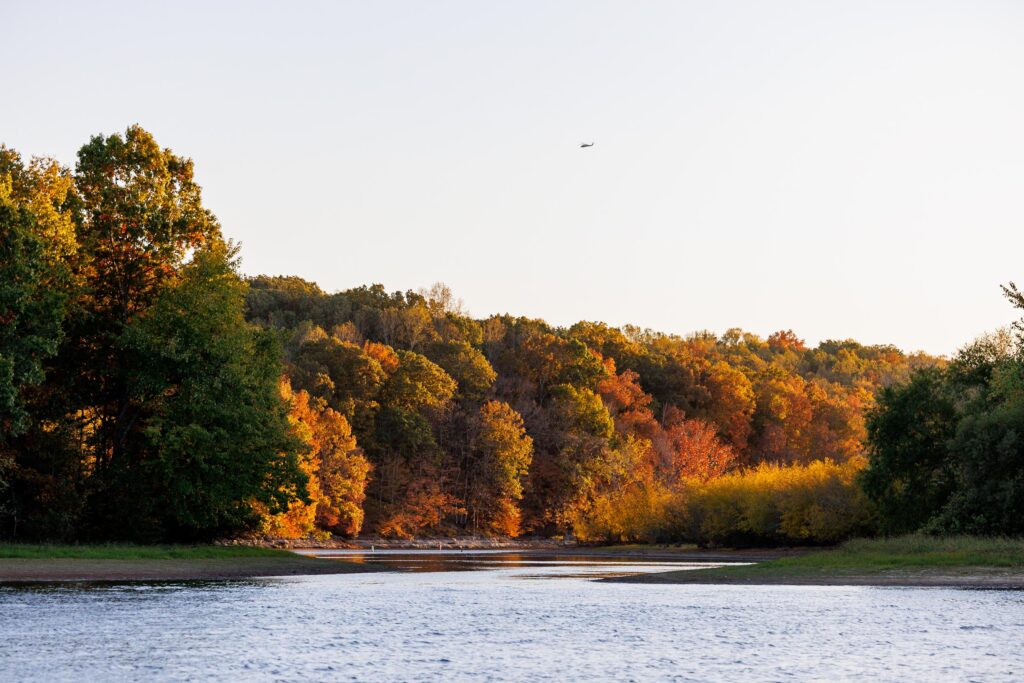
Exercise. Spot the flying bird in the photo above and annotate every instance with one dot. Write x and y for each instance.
(587, 144)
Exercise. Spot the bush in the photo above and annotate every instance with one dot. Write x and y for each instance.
(816, 503)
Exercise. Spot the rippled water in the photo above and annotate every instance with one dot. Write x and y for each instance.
(527, 620)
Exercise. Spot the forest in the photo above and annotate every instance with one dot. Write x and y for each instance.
(150, 392)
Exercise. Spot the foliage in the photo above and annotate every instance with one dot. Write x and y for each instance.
(947, 447)
(158, 416)
(215, 433)
(31, 310)
(335, 468)
(503, 455)
(466, 365)
(817, 503)
(909, 476)
(140, 397)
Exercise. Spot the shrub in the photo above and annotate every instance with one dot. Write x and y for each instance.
(816, 503)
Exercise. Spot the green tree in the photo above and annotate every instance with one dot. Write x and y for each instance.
(31, 309)
(467, 366)
(141, 218)
(339, 373)
(417, 384)
(216, 437)
(909, 476)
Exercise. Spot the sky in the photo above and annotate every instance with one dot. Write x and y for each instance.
(842, 169)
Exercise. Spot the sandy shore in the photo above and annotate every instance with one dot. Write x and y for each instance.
(25, 570)
(946, 577)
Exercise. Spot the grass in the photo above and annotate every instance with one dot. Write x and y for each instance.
(872, 556)
(117, 551)
(916, 550)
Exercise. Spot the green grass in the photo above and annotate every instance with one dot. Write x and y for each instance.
(913, 552)
(116, 551)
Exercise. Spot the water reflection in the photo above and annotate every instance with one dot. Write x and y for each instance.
(522, 564)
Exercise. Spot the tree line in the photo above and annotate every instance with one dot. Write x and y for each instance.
(150, 392)
(508, 425)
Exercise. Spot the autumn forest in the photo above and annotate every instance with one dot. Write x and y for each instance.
(150, 392)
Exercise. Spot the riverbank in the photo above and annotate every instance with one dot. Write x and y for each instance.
(369, 543)
(957, 562)
(59, 563)
(25, 563)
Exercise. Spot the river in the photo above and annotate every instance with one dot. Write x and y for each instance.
(505, 616)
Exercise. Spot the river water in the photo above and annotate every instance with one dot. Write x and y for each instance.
(505, 616)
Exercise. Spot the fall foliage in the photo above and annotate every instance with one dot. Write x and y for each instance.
(148, 391)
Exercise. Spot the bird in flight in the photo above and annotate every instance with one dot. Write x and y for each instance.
(587, 144)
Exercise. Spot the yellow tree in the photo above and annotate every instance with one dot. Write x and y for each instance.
(504, 453)
(337, 471)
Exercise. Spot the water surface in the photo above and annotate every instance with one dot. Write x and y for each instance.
(506, 616)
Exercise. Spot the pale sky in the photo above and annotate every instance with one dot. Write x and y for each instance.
(844, 169)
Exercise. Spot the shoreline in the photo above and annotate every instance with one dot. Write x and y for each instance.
(911, 561)
(72, 570)
(598, 552)
(43, 570)
(992, 578)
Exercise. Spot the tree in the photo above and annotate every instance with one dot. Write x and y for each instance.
(336, 469)
(344, 474)
(503, 454)
(47, 191)
(467, 366)
(1016, 299)
(215, 433)
(988, 497)
(909, 476)
(417, 384)
(141, 218)
(696, 450)
(31, 309)
(574, 455)
(785, 340)
(344, 375)
(731, 403)
(986, 453)
(298, 520)
(782, 419)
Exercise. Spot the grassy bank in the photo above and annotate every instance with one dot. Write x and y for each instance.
(914, 551)
(25, 563)
(118, 551)
(904, 560)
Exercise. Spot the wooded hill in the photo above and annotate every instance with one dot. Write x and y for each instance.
(507, 424)
(150, 392)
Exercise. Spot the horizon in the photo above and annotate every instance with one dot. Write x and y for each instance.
(566, 325)
(844, 172)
